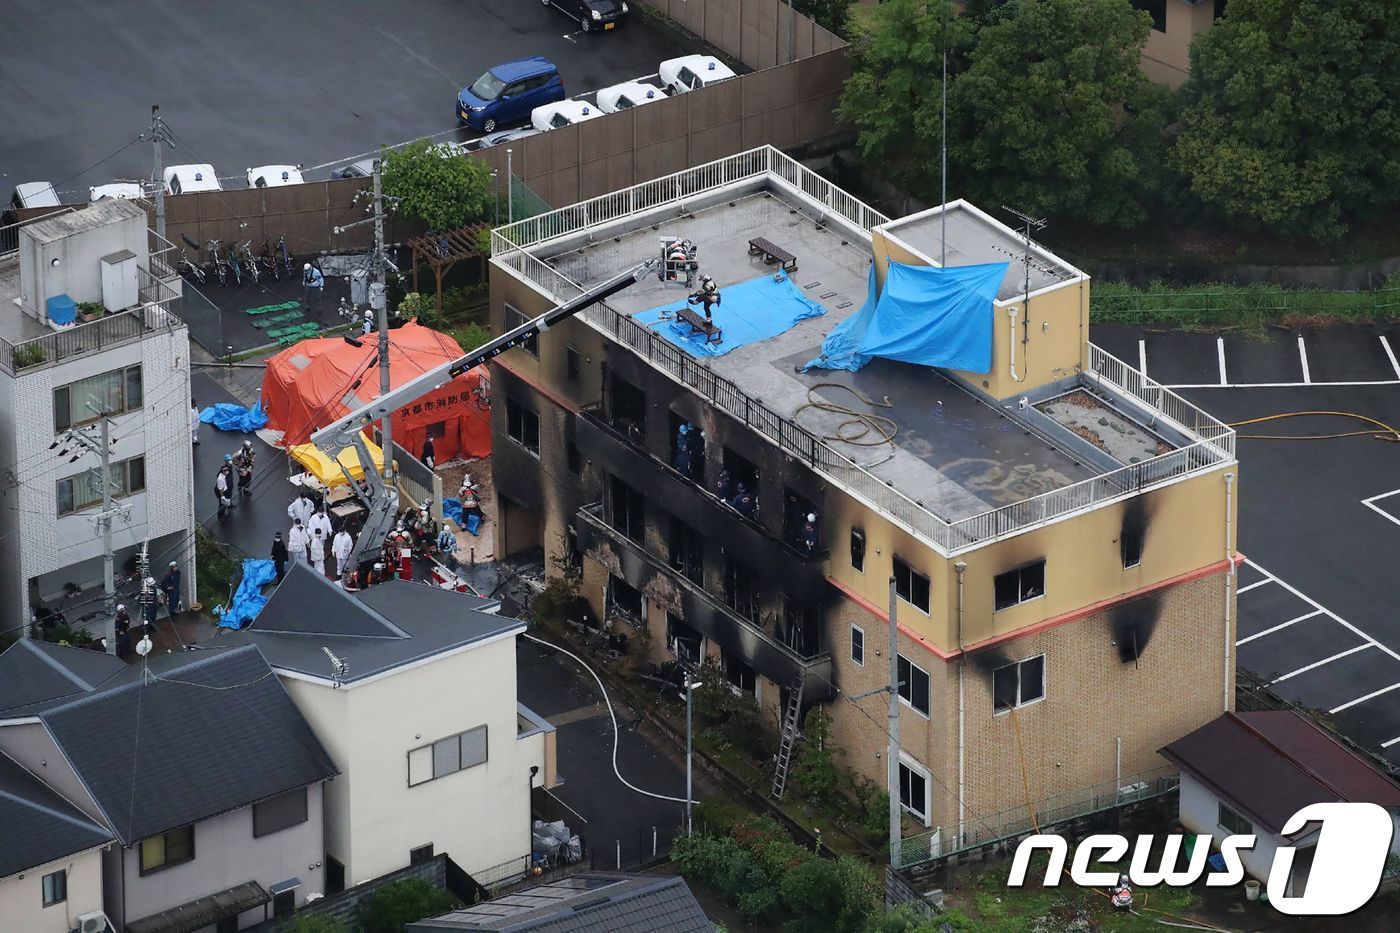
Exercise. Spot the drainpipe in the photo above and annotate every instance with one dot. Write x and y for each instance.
(1229, 579)
(892, 755)
(1117, 767)
(961, 568)
(1012, 343)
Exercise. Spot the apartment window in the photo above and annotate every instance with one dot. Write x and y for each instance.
(1130, 544)
(858, 645)
(687, 551)
(858, 550)
(628, 511)
(1020, 585)
(523, 425)
(420, 855)
(911, 586)
(740, 588)
(55, 887)
(1018, 684)
(84, 490)
(513, 320)
(172, 848)
(573, 363)
(447, 756)
(913, 685)
(281, 812)
(913, 789)
(801, 630)
(739, 674)
(1157, 9)
(1231, 821)
(685, 642)
(572, 458)
(113, 393)
(625, 601)
(226, 925)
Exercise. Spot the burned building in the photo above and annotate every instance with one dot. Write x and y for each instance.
(1032, 512)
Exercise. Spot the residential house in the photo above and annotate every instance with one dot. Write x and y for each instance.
(50, 856)
(412, 690)
(1248, 773)
(590, 902)
(198, 765)
(1058, 528)
(129, 365)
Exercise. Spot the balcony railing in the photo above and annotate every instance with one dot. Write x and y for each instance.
(1214, 445)
(102, 334)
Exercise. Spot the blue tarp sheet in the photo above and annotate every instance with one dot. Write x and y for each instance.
(925, 315)
(452, 508)
(248, 599)
(747, 313)
(227, 416)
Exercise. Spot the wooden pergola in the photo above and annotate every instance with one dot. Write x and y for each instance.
(442, 251)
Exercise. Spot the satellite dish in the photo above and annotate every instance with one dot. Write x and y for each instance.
(144, 646)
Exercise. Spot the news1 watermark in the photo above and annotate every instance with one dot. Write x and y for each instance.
(1348, 860)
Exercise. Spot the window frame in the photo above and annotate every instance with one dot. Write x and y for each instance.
(1021, 597)
(908, 596)
(279, 799)
(1223, 811)
(126, 471)
(516, 409)
(123, 377)
(433, 757)
(858, 534)
(514, 318)
(573, 363)
(60, 887)
(165, 846)
(856, 630)
(906, 686)
(914, 768)
(998, 710)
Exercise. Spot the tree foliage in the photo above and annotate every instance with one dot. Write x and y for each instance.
(314, 923)
(402, 902)
(1292, 122)
(444, 190)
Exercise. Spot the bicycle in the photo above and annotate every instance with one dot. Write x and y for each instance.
(285, 258)
(249, 261)
(215, 267)
(268, 264)
(235, 266)
(192, 273)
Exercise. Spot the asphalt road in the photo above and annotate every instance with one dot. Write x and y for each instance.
(1316, 602)
(258, 82)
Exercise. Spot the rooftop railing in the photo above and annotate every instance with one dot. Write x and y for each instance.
(1213, 444)
(102, 334)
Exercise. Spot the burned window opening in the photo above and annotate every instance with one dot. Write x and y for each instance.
(801, 626)
(742, 678)
(738, 471)
(626, 406)
(740, 588)
(797, 530)
(1019, 585)
(523, 425)
(624, 602)
(685, 642)
(628, 510)
(1018, 684)
(858, 550)
(1134, 531)
(573, 363)
(687, 451)
(687, 551)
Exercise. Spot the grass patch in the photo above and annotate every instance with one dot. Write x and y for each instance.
(1241, 306)
(215, 572)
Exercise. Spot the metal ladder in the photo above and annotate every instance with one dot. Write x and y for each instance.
(791, 715)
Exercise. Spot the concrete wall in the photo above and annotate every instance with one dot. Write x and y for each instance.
(757, 32)
(79, 255)
(22, 896)
(226, 854)
(1167, 56)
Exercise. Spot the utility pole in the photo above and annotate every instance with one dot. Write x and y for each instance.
(510, 190)
(943, 213)
(896, 857)
(690, 686)
(376, 293)
(160, 133)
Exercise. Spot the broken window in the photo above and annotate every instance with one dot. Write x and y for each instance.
(911, 586)
(628, 511)
(687, 450)
(624, 601)
(740, 588)
(523, 425)
(1018, 684)
(627, 409)
(801, 629)
(1017, 586)
(741, 471)
(740, 676)
(687, 551)
(572, 363)
(685, 642)
(858, 550)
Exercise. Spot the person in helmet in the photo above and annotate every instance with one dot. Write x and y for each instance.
(744, 502)
(170, 589)
(315, 284)
(809, 533)
(707, 294)
(123, 627)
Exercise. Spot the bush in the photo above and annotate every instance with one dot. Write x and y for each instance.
(726, 720)
(717, 815)
(28, 354)
(560, 600)
(470, 336)
(214, 571)
(420, 307)
(818, 777)
(314, 923)
(402, 902)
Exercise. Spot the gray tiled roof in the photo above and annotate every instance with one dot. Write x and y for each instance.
(374, 630)
(208, 732)
(39, 825)
(592, 902)
(37, 672)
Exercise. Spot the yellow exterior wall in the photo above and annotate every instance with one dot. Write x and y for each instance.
(1167, 56)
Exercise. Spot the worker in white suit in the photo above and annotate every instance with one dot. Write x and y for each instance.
(297, 542)
(316, 551)
(341, 546)
(321, 522)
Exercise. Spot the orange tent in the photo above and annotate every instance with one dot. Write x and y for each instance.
(307, 386)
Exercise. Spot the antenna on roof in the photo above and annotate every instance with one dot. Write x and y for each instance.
(339, 668)
(1031, 224)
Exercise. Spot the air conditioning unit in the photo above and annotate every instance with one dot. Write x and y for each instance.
(1132, 790)
(95, 922)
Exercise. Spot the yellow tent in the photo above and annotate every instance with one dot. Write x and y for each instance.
(320, 465)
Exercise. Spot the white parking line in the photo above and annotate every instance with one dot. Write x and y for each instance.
(1371, 504)
(1142, 357)
(1303, 357)
(1390, 354)
(1391, 742)
(1316, 664)
(1369, 696)
(1279, 385)
(1246, 589)
(1317, 605)
(1268, 631)
(1220, 355)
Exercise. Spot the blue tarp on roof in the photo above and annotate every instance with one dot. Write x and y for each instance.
(747, 313)
(248, 600)
(925, 315)
(227, 416)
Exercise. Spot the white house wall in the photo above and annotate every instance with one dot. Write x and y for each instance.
(328, 713)
(22, 896)
(31, 746)
(1198, 813)
(79, 270)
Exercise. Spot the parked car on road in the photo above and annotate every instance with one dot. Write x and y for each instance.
(495, 139)
(592, 14)
(562, 113)
(34, 194)
(679, 75)
(121, 190)
(626, 95)
(274, 176)
(199, 176)
(361, 169)
(508, 93)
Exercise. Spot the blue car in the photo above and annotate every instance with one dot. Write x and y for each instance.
(507, 93)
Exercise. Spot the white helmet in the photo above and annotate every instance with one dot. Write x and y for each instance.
(306, 267)
(812, 517)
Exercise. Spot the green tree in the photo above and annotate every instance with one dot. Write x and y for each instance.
(894, 95)
(823, 895)
(441, 188)
(1292, 122)
(815, 770)
(1055, 116)
(402, 902)
(832, 15)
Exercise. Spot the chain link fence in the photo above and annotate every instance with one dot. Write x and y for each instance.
(1113, 303)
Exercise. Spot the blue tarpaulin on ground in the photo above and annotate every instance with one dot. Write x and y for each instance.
(747, 313)
(248, 599)
(227, 416)
(452, 508)
(924, 315)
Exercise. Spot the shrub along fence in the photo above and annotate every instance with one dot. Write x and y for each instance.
(1114, 303)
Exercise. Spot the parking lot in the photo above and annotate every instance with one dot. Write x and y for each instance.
(316, 82)
(1319, 519)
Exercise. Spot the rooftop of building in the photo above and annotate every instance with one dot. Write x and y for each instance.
(373, 631)
(15, 326)
(591, 902)
(954, 454)
(40, 826)
(71, 223)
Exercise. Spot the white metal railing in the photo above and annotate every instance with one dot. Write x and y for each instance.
(509, 247)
